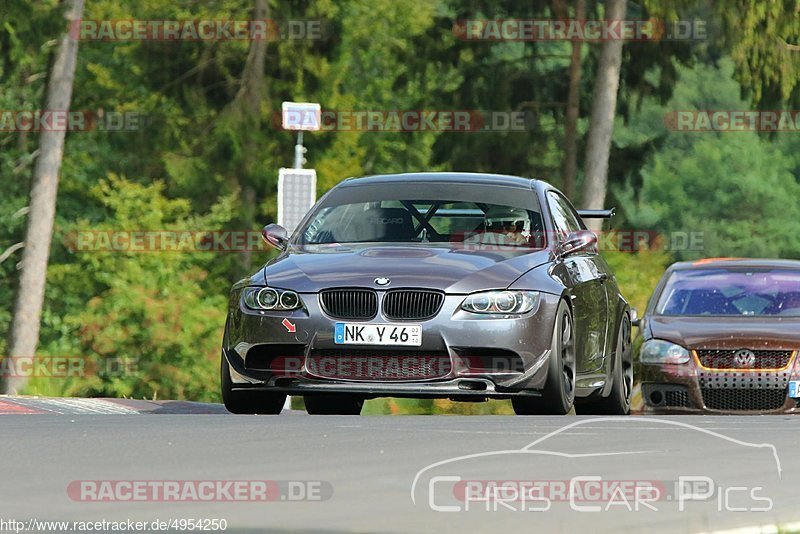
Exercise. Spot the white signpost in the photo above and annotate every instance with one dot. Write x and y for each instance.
(297, 192)
(297, 187)
(300, 116)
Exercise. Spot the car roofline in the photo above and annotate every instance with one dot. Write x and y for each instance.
(502, 180)
(725, 263)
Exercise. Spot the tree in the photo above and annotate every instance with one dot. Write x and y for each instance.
(24, 335)
(764, 41)
(601, 124)
(570, 170)
(245, 114)
(725, 190)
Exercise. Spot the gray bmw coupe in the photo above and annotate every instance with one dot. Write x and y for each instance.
(449, 285)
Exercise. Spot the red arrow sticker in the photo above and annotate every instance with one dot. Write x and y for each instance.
(290, 327)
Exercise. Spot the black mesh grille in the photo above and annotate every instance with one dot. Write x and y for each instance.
(677, 398)
(725, 359)
(491, 360)
(350, 303)
(744, 399)
(666, 395)
(274, 356)
(412, 304)
(744, 380)
(378, 365)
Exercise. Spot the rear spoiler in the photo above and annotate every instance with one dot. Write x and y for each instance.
(596, 214)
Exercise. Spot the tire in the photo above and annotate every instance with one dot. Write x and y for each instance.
(618, 401)
(242, 401)
(558, 394)
(333, 404)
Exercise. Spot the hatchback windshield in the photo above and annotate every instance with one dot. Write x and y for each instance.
(424, 221)
(732, 292)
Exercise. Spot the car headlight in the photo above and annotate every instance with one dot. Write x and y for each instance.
(502, 302)
(268, 298)
(660, 351)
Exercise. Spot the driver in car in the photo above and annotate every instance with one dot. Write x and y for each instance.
(508, 225)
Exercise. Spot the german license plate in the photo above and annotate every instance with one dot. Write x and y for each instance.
(794, 389)
(409, 335)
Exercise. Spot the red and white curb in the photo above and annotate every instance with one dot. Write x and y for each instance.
(13, 405)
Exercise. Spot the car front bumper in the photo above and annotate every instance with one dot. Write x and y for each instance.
(518, 349)
(689, 389)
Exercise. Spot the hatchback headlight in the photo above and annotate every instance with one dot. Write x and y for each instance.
(268, 298)
(660, 351)
(502, 302)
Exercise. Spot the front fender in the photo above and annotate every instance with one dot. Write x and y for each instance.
(540, 279)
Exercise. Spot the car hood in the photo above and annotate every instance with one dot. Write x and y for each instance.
(311, 268)
(728, 332)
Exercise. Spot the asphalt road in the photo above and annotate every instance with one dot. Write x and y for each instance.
(359, 471)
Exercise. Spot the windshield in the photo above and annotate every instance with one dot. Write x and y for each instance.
(732, 292)
(424, 221)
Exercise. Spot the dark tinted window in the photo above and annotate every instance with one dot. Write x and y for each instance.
(731, 292)
(564, 217)
(410, 221)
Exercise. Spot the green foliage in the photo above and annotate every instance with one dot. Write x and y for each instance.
(638, 273)
(764, 41)
(161, 312)
(729, 187)
(435, 407)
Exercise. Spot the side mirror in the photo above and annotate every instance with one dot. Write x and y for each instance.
(276, 236)
(635, 320)
(577, 241)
